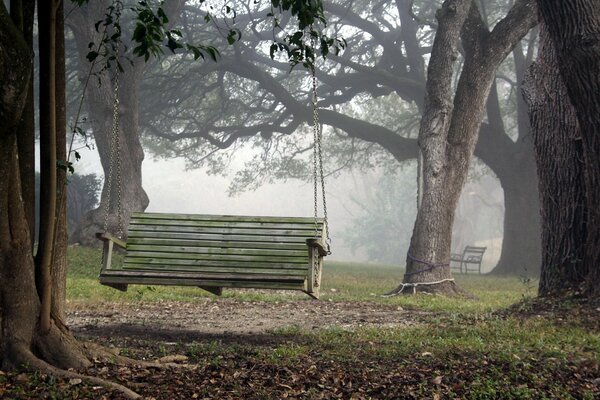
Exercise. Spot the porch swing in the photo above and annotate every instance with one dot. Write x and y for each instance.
(217, 251)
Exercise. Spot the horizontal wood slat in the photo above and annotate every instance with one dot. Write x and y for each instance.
(192, 235)
(202, 275)
(166, 280)
(212, 243)
(240, 258)
(131, 262)
(223, 230)
(215, 250)
(223, 224)
(225, 218)
(216, 270)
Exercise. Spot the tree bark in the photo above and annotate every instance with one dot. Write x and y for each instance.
(21, 335)
(59, 259)
(48, 165)
(557, 139)
(574, 27)
(23, 11)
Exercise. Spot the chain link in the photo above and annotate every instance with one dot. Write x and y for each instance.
(318, 159)
(114, 163)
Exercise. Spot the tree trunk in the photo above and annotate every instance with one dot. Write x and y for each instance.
(558, 149)
(99, 104)
(449, 129)
(427, 262)
(59, 259)
(574, 28)
(20, 333)
(48, 165)
(23, 12)
(521, 242)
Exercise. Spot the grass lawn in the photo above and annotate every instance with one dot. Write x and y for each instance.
(456, 349)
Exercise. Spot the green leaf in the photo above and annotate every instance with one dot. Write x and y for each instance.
(92, 55)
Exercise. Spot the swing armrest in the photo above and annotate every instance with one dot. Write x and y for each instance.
(105, 237)
(318, 244)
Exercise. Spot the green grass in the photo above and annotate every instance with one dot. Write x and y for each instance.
(341, 281)
(477, 353)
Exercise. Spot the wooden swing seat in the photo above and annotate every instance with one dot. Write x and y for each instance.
(217, 251)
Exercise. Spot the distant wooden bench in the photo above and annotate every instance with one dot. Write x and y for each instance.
(471, 256)
(213, 252)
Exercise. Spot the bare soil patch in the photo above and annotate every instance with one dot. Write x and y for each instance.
(173, 321)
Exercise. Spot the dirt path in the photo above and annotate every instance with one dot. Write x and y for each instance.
(172, 321)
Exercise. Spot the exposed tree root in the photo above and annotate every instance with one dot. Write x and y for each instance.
(28, 359)
(60, 348)
(97, 352)
(446, 288)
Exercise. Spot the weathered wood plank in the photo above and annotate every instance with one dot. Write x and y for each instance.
(216, 257)
(216, 250)
(135, 280)
(199, 264)
(193, 235)
(201, 275)
(225, 224)
(212, 243)
(215, 270)
(106, 237)
(223, 230)
(225, 218)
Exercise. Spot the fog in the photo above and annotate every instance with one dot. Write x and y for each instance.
(173, 189)
(202, 107)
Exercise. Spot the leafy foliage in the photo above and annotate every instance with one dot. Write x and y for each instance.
(151, 35)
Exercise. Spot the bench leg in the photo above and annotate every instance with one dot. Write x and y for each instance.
(107, 250)
(119, 286)
(313, 280)
(216, 290)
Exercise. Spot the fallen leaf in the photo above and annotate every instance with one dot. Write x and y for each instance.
(172, 359)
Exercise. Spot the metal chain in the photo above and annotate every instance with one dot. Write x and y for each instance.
(114, 157)
(116, 126)
(318, 157)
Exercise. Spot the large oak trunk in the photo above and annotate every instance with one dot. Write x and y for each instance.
(22, 342)
(574, 27)
(449, 129)
(99, 102)
(521, 242)
(559, 154)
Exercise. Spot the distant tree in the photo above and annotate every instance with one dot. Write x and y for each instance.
(449, 128)
(82, 196)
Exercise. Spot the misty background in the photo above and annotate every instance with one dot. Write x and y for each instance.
(371, 194)
(358, 203)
